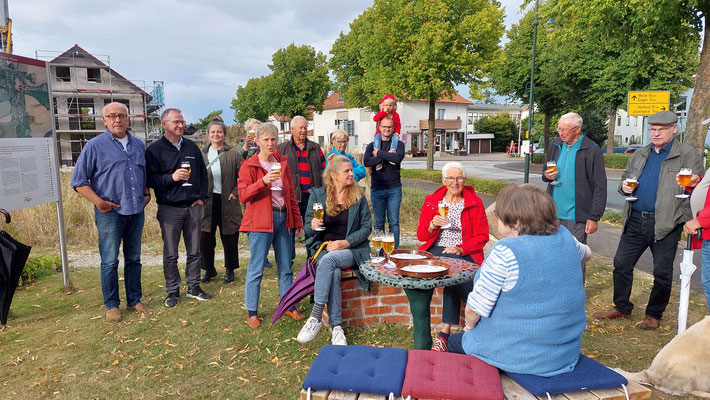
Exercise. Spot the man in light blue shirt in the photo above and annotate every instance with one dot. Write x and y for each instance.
(110, 173)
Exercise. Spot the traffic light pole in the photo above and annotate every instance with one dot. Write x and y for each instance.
(526, 177)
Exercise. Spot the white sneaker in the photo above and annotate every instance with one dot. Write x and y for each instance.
(337, 338)
(309, 330)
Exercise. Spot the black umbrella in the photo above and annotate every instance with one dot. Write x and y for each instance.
(13, 256)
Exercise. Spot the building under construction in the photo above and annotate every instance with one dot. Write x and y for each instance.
(82, 83)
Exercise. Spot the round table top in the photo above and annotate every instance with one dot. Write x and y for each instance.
(460, 271)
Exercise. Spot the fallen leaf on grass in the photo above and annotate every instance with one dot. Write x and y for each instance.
(262, 395)
(245, 380)
(115, 362)
(96, 317)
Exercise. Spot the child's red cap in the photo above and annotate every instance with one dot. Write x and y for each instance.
(387, 96)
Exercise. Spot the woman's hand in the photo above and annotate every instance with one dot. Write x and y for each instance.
(471, 319)
(691, 227)
(336, 245)
(453, 250)
(271, 177)
(438, 221)
(316, 223)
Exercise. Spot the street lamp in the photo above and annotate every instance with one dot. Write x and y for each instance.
(531, 113)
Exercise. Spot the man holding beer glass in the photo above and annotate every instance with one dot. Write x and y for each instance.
(576, 178)
(655, 220)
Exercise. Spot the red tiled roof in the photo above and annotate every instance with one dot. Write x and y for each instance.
(333, 101)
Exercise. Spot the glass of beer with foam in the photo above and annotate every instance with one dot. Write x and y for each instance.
(318, 213)
(444, 212)
(551, 167)
(684, 177)
(632, 182)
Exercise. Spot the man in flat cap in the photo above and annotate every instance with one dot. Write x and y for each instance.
(655, 219)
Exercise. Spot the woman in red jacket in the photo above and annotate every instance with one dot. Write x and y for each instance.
(461, 234)
(271, 212)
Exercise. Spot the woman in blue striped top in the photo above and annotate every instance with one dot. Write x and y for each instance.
(526, 311)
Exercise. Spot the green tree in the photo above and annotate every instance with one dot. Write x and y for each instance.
(298, 81)
(203, 122)
(595, 126)
(501, 126)
(251, 101)
(417, 50)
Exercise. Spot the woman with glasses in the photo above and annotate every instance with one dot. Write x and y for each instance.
(339, 139)
(460, 234)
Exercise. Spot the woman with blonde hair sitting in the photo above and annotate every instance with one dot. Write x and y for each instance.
(347, 222)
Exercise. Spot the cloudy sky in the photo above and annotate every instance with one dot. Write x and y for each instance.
(202, 50)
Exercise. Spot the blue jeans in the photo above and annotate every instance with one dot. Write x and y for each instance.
(259, 244)
(327, 285)
(455, 343)
(705, 271)
(385, 203)
(453, 295)
(114, 228)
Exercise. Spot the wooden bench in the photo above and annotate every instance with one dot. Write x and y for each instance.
(512, 391)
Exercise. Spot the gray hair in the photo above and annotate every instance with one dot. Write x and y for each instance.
(167, 111)
(115, 103)
(216, 122)
(575, 118)
(452, 164)
(267, 128)
(299, 117)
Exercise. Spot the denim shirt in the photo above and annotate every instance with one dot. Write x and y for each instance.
(114, 174)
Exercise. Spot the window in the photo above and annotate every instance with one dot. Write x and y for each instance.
(93, 75)
(440, 113)
(54, 107)
(88, 118)
(618, 120)
(636, 122)
(341, 115)
(365, 115)
(63, 74)
(470, 118)
(125, 102)
(627, 120)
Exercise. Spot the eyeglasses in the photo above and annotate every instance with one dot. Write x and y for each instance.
(177, 122)
(341, 141)
(450, 179)
(563, 130)
(114, 116)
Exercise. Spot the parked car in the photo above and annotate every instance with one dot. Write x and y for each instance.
(631, 149)
(539, 150)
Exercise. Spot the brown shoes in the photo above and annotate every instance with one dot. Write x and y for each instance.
(611, 313)
(295, 314)
(113, 315)
(141, 308)
(253, 322)
(650, 323)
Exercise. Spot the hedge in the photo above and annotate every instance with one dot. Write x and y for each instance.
(488, 186)
(39, 267)
(611, 161)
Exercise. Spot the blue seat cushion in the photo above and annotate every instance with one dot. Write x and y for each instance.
(587, 375)
(358, 369)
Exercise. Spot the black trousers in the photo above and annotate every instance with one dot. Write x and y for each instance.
(636, 238)
(208, 240)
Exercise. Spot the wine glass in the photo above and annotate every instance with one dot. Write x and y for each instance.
(186, 165)
(632, 182)
(684, 178)
(388, 246)
(377, 241)
(551, 167)
(444, 212)
(318, 213)
(276, 167)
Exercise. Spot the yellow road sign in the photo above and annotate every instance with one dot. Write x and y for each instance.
(648, 102)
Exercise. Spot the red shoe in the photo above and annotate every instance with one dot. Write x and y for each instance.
(440, 344)
(295, 314)
(253, 322)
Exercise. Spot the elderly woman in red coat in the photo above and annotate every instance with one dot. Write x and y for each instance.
(461, 234)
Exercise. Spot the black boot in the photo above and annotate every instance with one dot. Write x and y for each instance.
(228, 275)
(208, 275)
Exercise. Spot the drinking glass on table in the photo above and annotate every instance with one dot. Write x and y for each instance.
(551, 167)
(186, 165)
(276, 168)
(377, 241)
(684, 178)
(444, 212)
(319, 213)
(632, 182)
(388, 246)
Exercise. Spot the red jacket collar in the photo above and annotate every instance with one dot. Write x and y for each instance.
(469, 195)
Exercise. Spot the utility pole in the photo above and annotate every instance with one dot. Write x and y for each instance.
(531, 114)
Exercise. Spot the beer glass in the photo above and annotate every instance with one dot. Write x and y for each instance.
(444, 212)
(632, 182)
(388, 246)
(318, 213)
(277, 168)
(377, 241)
(252, 143)
(684, 177)
(186, 165)
(551, 167)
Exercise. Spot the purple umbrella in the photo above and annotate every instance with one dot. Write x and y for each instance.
(301, 287)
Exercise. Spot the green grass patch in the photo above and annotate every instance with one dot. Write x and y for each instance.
(612, 217)
(611, 161)
(482, 185)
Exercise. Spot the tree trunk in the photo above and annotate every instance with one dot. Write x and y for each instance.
(546, 130)
(700, 104)
(610, 131)
(430, 133)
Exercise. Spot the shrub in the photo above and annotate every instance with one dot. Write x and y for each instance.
(616, 161)
(612, 217)
(538, 158)
(39, 267)
(488, 186)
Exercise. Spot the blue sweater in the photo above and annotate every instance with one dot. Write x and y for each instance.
(359, 171)
(536, 327)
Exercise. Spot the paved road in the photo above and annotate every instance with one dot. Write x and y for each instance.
(604, 242)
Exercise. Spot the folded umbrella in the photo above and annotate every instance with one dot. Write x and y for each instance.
(686, 272)
(301, 287)
(13, 256)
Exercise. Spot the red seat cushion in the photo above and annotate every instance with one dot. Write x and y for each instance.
(436, 375)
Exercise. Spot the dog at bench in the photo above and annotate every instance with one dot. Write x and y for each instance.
(682, 367)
